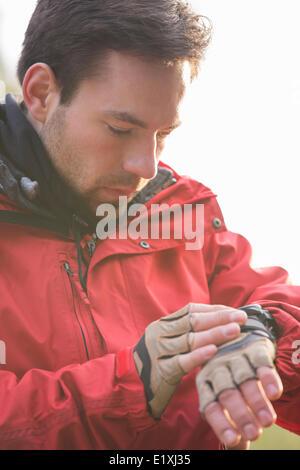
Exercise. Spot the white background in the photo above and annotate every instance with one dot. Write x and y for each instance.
(241, 121)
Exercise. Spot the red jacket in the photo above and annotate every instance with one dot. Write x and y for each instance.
(69, 381)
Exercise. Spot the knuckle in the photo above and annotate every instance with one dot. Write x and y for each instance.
(219, 333)
(267, 372)
(193, 307)
(214, 336)
(215, 331)
(222, 316)
(193, 321)
(227, 394)
(243, 417)
(257, 403)
(222, 307)
(211, 409)
(191, 340)
(221, 312)
(250, 388)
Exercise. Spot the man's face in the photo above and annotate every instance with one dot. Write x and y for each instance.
(107, 142)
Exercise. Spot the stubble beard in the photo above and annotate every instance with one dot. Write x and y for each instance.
(65, 158)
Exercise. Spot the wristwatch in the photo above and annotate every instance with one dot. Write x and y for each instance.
(260, 319)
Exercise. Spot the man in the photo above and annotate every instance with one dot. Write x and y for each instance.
(105, 339)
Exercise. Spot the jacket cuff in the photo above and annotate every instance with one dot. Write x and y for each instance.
(138, 414)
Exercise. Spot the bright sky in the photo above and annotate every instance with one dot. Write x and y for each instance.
(242, 119)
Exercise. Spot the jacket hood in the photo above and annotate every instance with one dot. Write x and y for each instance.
(27, 175)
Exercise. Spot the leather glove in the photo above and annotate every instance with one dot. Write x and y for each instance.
(237, 361)
(156, 358)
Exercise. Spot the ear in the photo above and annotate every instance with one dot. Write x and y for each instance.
(40, 91)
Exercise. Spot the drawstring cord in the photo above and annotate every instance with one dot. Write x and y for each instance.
(80, 256)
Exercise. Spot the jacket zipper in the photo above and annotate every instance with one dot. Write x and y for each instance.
(70, 273)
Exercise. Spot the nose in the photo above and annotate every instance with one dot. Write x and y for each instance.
(142, 160)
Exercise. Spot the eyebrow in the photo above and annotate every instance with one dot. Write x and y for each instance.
(127, 117)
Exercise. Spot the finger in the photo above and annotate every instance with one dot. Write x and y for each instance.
(221, 425)
(236, 406)
(218, 335)
(271, 382)
(208, 308)
(258, 402)
(190, 361)
(201, 321)
(242, 445)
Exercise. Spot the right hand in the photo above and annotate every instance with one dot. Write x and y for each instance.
(178, 343)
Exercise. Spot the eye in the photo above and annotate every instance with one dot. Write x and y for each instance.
(117, 131)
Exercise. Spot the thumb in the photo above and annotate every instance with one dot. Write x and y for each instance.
(198, 357)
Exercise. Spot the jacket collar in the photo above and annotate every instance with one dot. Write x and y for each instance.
(27, 174)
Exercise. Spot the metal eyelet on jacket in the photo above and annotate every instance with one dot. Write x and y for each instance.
(145, 245)
(217, 222)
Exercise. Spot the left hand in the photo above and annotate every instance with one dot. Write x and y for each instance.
(237, 385)
(240, 414)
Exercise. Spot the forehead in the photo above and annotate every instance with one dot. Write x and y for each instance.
(146, 88)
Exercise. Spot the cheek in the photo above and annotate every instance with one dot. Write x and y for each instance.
(97, 149)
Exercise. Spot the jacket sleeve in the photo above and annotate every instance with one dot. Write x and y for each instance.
(233, 281)
(75, 407)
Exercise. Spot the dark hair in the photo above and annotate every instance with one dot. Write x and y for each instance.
(72, 35)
